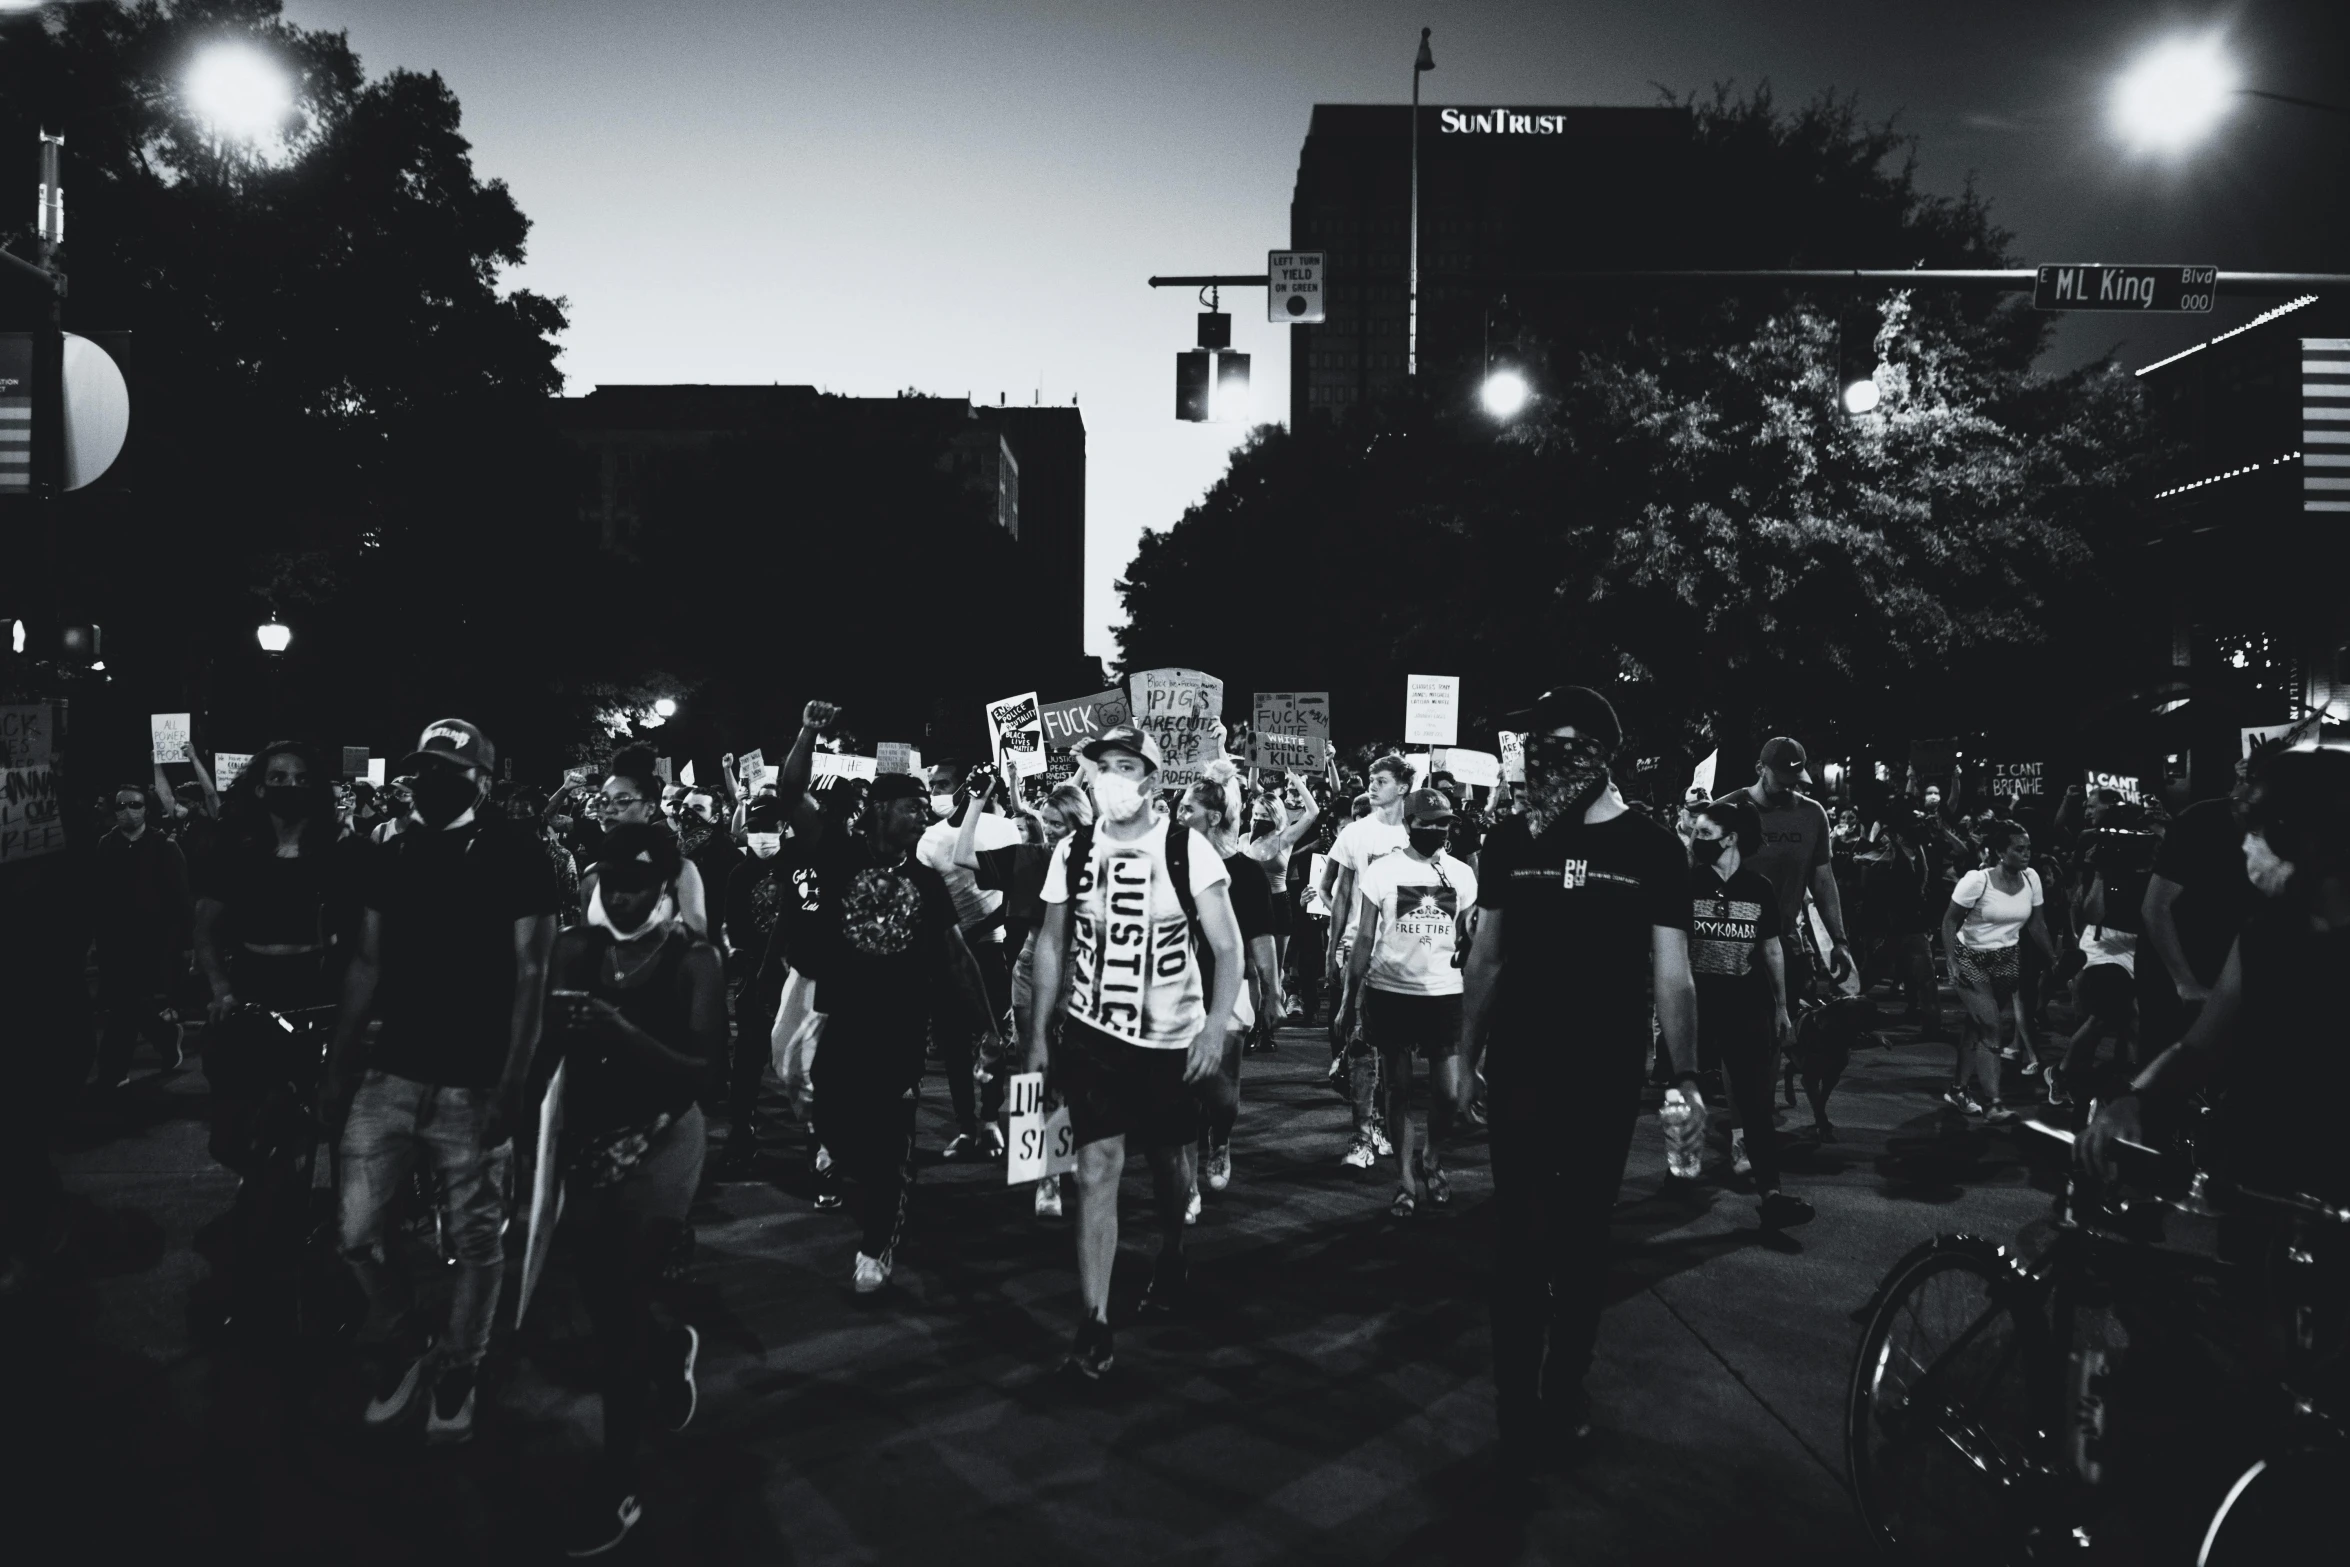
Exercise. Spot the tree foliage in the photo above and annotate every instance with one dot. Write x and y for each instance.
(1686, 515)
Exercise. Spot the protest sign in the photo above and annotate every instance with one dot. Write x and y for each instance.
(375, 771)
(228, 767)
(1513, 757)
(686, 775)
(1432, 710)
(751, 767)
(663, 768)
(1702, 780)
(896, 756)
(1179, 708)
(826, 764)
(31, 820)
(1932, 761)
(2128, 785)
(2013, 780)
(172, 733)
(354, 761)
(1069, 724)
(1480, 769)
(1315, 867)
(1043, 1142)
(1289, 729)
(2287, 734)
(1015, 728)
(546, 1194)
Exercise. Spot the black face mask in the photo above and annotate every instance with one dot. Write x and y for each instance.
(1706, 851)
(287, 802)
(1427, 840)
(443, 796)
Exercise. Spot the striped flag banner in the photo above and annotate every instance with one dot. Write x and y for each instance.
(2325, 424)
(16, 413)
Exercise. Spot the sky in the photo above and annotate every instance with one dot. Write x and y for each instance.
(968, 196)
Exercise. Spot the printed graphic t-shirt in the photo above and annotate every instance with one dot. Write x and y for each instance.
(1726, 919)
(978, 909)
(1419, 903)
(1131, 970)
(878, 931)
(1795, 840)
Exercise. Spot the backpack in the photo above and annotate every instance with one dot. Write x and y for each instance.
(1178, 872)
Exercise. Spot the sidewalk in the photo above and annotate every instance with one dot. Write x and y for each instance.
(1329, 1400)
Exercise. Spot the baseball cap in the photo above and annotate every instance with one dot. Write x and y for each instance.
(449, 740)
(1783, 751)
(1123, 737)
(1591, 714)
(897, 786)
(1426, 806)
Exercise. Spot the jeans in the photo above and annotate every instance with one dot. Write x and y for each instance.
(393, 1123)
(754, 1022)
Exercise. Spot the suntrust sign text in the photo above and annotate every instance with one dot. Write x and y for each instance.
(1500, 122)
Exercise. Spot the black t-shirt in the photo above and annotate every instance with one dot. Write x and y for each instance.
(1252, 896)
(2204, 853)
(757, 893)
(274, 901)
(879, 929)
(1901, 895)
(142, 888)
(449, 901)
(2288, 1049)
(1576, 985)
(1726, 919)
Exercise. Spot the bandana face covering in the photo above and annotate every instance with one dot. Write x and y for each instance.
(1120, 797)
(1563, 777)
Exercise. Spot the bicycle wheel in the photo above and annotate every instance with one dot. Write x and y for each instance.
(2277, 1508)
(1950, 1397)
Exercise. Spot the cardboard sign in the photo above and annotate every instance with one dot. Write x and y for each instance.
(172, 735)
(2128, 785)
(228, 767)
(1702, 780)
(2290, 734)
(32, 819)
(2013, 780)
(1015, 728)
(1304, 713)
(1480, 769)
(1069, 724)
(1933, 759)
(375, 771)
(1043, 1143)
(825, 764)
(546, 1195)
(662, 768)
(1284, 752)
(896, 756)
(751, 768)
(1181, 709)
(1513, 757)
(354, 761)
(1421, 765)
(1432, 710)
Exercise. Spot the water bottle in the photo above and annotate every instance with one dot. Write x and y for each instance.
(1684, 1118)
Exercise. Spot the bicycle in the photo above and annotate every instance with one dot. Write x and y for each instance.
(1976, 1415)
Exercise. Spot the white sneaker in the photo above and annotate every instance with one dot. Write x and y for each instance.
(1218, 1173)
(1360, 1155)
(1380, 1145)
(1191, 1210)
(1739, 1163)
(1048, 1197)
(872, 1273)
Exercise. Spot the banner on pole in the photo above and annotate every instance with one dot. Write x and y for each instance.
(1432, 710)
(172, 734)
(1015, 728)
(1179, 708)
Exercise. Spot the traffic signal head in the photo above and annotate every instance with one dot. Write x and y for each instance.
(1192, 371)
(1215, 329)
(1231, 386)
(78, 644)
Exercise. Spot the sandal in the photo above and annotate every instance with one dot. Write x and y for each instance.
(1405, 1204)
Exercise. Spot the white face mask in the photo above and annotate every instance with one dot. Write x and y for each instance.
(663, 913)
(2268, 872)
(942, 805)
(1120, 797)
(766, 844)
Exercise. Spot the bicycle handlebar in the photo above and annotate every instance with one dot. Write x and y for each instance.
(2209, 1188)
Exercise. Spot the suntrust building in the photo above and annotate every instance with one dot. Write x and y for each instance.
(1503, 188)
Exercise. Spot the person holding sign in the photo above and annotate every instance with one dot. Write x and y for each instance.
(1131, 909)
(1280, 824)
(637, 1009)
(1404, 985)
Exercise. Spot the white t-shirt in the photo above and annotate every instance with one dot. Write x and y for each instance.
(2104, 944)
(1994, 919)
(1419, 902)
(974, 905)
(1131, 970)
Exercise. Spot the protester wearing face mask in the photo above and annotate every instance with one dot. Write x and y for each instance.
(705, 841)
(2270, 1030)
(638, 1010)
(759, 893)
(1377, 832)
(1211, 808)
(632, 794)
(452, 954)
(143, 909)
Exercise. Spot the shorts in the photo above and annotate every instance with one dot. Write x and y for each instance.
(1283, 917)
(1115, 1088)
(1396, 1024)
(2108, 992)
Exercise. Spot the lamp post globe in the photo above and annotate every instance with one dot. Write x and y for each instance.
(665, 708)
(238, 92)
(1862, 397)
(2174, 94)
(273, 636)
(1504, 394)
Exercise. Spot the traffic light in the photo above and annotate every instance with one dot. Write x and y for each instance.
(1231, 386)
(1215, 330)
(1192, 371)
(79, 644)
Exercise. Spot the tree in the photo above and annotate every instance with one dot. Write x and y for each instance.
(1687, 516)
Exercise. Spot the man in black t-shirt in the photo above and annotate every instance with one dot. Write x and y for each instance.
(759, 892)
(2196, 902)
(1583, 928)
(459, 919)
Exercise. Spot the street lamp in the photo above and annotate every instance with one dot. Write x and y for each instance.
(1504, 394)
(239, 92)
(273, 637)
(1862, 397)
(665, 708)
(1424, 62)
(2175, 94)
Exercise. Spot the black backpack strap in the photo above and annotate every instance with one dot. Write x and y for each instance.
(1179, 872)
(1080, 856)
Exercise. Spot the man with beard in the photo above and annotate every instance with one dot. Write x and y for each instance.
(1583, 927)
(459, 920)
(1132, 910)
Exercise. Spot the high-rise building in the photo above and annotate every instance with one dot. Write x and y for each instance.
(1501, 190)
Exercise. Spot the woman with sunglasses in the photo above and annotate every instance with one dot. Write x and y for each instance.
(633, 798)
(143, 911)
(639, 1001)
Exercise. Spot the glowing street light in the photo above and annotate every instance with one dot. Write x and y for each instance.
(273, 637)
(665, 708)
(2175, 94)
(1504, 394)
(239, 92)
(1862, 397)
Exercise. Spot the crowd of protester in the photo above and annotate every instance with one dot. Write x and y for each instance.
(436, 948)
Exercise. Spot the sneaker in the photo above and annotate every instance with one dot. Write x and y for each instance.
(450, 1419)
(1360, 1155)
(1170, 1284)
(1739, 1163)
(1048, 1197)
(1379, 1143)
(1191, 1209)
(1433, 1183)
(1960, 1100)
(965, 1146)
(828, 1195)
(872, 1273)
(677, 1397)
(1218, 1173)
(601, 1525)
(2032, 1067)
(395, 1392)
(2001, 1115)
(1781, 1211)
(991, 1141)
(2058, 1094)
(1335, 1077)
(823, 1159)
(1476, 1112)
(1092, 1352)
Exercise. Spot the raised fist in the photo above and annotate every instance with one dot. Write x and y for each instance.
(819, 715)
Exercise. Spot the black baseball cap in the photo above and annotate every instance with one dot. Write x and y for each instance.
(1591, 714)
(897, 786)
(449, 740)
(1426, 808)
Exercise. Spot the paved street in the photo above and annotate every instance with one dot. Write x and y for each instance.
(1328, 1400)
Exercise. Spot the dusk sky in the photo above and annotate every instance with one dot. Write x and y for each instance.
(968, 195)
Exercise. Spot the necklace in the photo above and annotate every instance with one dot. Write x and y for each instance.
(622, 973)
